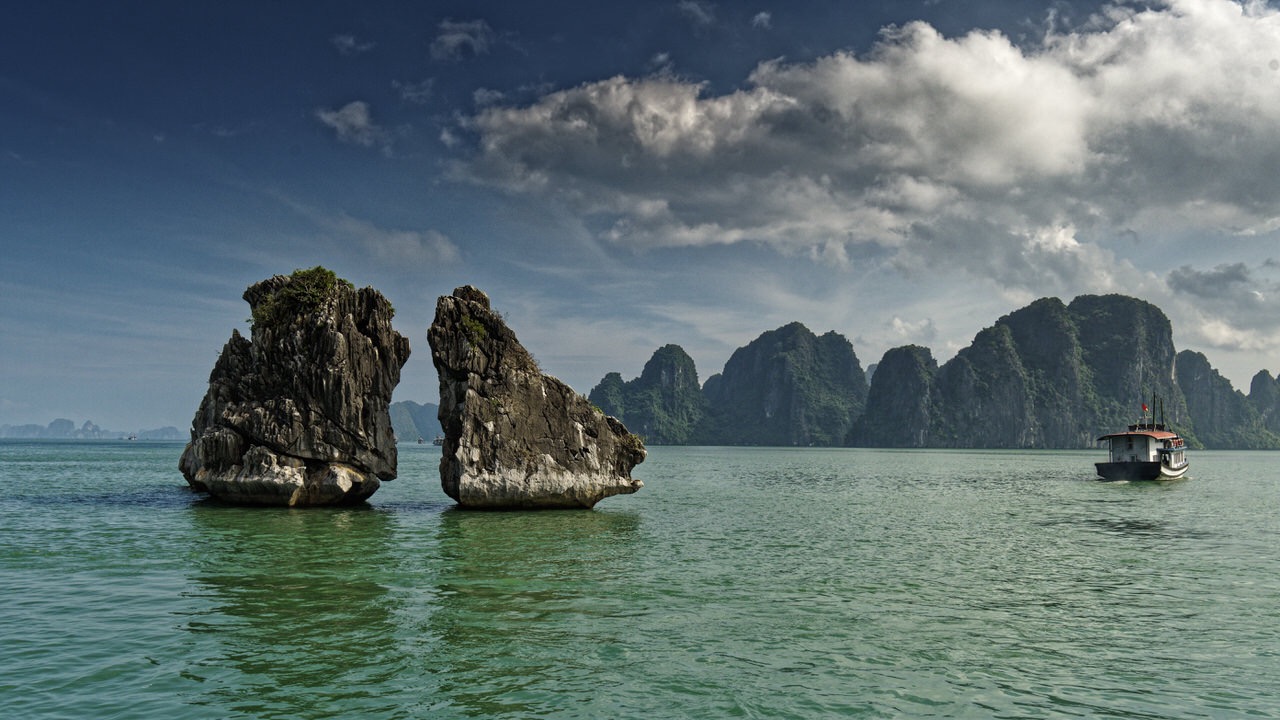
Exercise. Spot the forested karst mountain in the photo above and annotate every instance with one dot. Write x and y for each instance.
(1223, 417)
(664, 405)
(787, 387)
(1264, 393)
(900, 404)
(1049, 375)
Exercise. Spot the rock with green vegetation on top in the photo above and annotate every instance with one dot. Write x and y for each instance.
(297, 415)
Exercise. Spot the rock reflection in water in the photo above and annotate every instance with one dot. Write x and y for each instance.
(298, 612)
(515, 587)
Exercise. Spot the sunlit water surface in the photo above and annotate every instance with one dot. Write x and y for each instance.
(759, 583)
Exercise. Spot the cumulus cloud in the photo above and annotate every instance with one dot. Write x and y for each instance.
(762, 20)
(1237, 307)
(1020, 163)
(921, 332)
(353, 123)
(457, 40)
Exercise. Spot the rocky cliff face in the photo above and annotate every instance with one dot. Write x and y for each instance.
(298, 415)
(664, 405)
(983, 396)
(1264, 394)
(1224, 417)
(787, 387)
(1045, 376)
(900, 403)
(515, 438)
(1127, 346)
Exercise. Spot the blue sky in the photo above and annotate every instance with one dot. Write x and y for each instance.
(619, 176)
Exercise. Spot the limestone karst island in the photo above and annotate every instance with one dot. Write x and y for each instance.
(298, 415)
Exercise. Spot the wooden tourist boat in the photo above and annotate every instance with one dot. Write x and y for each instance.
(1146, 451)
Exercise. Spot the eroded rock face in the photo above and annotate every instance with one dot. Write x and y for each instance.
(298, 416)
(515, 438)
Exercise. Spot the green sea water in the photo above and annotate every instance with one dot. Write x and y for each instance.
(739, 583)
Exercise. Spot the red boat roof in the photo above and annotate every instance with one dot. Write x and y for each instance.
(1157, 434)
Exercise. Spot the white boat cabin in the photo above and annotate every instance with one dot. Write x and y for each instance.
(1147, 443)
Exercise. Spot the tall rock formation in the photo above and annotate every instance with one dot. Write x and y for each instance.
(983, 396)
(515, 438)
(298, 415)
(1059, 383)
(786, 387)
(900, 403)
(664, 405)
(1045, 376)
(1264, 394)
(1127, 344)
(1223, 416)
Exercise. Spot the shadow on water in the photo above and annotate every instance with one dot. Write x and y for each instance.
(521, 596)
(293, 609)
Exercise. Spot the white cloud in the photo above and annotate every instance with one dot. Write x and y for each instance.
(969, 151)
(417, 93)
(762, 20)
(699, 11)
(486, 96)
(457, 40)
(920, 332)
(348, 44)
(396, 247)
(354, 124)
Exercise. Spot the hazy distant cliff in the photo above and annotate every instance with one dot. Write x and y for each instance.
(1223, 417)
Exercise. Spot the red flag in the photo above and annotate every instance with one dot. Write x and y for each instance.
(1144, 407)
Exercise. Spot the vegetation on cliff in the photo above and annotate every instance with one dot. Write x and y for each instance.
(665, 405)
(306, 292)
(1049, 375)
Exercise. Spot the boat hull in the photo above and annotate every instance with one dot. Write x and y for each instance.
(1137, 470)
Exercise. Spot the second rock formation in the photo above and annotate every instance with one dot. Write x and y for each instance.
(514, 437)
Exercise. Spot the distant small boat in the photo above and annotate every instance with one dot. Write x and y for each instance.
(420, 441)
(438, 441)
(1146, 451)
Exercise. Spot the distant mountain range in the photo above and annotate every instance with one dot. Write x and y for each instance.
(1050, 375)
(63, 429)
(411, 421)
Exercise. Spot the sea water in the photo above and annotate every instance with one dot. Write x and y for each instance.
(757, 583)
